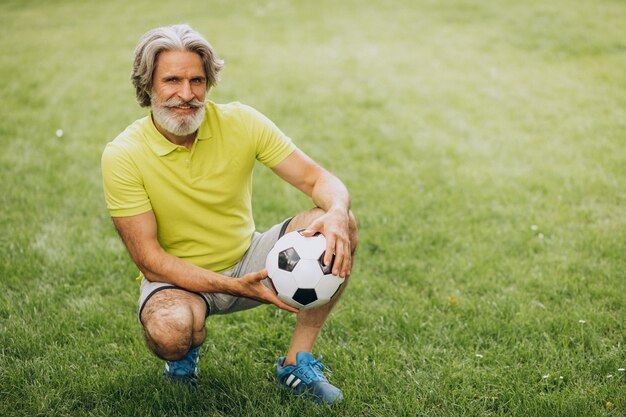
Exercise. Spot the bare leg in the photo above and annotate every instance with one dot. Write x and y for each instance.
(309, 322)
(173, 322)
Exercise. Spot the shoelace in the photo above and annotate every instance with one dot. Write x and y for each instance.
(311, 371)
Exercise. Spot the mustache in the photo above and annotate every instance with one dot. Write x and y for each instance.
(175, 102)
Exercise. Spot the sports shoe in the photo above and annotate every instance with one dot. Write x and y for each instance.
(306, 379)
(184, 371)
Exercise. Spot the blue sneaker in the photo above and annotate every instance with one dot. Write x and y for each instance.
(184, 371)
(306, 379)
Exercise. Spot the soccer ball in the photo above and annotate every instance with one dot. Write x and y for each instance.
(297, 272)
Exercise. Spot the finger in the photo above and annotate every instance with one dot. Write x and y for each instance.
(288, 308)
(316, 227)
(345, 264)
(339, 259)
(330, 251)
(271, 297)
(284, 306)
(346, 267)
(257, 278)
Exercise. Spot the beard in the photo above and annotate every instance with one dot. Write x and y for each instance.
(178, 124)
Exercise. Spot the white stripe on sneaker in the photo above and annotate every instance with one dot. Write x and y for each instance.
(291, 378)
(295, 384)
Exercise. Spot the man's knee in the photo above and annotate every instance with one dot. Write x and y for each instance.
(169, 327)
(304, 219)
(169, 333)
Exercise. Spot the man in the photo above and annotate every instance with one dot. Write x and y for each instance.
(178, 187)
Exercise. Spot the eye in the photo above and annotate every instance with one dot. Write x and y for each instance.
(197, 80)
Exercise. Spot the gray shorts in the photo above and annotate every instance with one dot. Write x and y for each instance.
(252, 261)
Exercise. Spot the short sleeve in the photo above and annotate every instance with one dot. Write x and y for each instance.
(123, 184)
(272, 145)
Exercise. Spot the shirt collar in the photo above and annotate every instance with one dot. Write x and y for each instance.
(161, 146)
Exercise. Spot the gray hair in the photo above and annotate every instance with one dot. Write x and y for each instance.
(170, 38)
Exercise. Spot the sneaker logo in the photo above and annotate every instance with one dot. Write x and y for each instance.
(291, 379)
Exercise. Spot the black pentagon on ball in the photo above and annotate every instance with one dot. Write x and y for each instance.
(288, 259)
(305, 296)
(326, 269)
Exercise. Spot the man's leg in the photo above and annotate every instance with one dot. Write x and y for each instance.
(173, 322)
(299, 371)
(309, 322)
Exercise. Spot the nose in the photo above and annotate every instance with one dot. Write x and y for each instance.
(185, 93)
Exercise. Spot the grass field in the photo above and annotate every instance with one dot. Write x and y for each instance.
(484, 144)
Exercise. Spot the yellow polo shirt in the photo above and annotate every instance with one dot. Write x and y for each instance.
(201, 197)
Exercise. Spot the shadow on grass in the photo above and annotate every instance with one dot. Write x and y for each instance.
(216, 394)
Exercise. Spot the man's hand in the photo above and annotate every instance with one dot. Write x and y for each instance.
(329, 194)
(250, 286)
(334, 225)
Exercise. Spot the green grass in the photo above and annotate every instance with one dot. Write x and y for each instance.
(485, 147)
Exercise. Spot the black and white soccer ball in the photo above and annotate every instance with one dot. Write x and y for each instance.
(297, 272)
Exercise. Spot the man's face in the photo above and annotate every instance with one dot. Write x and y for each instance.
(178, 92)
